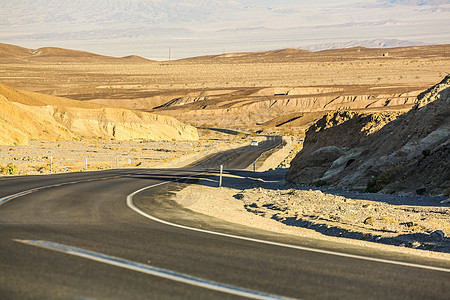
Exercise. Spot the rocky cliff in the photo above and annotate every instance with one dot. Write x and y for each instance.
(384, 152)
(26, 115)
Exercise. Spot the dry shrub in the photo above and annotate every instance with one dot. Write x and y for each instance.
(9, 169)
(42, 168)
(376, 184)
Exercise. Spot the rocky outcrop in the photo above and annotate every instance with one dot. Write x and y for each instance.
(20, 123)
(180, 101)
(122, 124)
(383, 152)
(25, 116)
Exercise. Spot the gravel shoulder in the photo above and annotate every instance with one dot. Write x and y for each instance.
(413, 224)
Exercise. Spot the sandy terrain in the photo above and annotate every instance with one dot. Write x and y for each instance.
(43, 157)
(248, 82)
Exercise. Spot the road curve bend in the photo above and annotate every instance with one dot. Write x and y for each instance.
(78, 236)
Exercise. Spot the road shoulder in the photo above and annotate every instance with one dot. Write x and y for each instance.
(242, 200)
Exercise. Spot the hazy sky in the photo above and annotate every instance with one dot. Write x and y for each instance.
(190, 28)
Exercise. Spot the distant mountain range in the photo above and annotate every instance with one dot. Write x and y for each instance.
(414, 2)
(378, 43)
(189, 28)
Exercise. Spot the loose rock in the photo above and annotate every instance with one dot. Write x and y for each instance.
(369, 221)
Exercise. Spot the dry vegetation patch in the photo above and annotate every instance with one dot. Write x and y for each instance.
(88, 154)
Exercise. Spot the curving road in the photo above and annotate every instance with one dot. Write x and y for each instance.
(116, 235)
(239, 158)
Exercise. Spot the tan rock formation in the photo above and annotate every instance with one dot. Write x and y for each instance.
(381, 152)
(26, 115)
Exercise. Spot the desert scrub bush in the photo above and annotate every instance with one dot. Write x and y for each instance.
(319, 183)
(447, 192)
(376, 184)
(42, 168)
(241, 135)
(9, 169)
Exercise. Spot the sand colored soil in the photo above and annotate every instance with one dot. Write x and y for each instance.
(44, 157)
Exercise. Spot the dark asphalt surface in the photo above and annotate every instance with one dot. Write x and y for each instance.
(90, 212)
(239, 158)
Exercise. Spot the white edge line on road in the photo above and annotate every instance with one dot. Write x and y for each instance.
(147, 269)
(20, 194)
(368, 258)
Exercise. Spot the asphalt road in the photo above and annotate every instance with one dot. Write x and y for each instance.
(239, 158)
(98, 235)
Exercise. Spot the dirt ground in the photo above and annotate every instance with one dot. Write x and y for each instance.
(407, 223)
(87, 155)
(411, 224)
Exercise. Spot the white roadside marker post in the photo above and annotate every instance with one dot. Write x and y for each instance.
(220, 177)
(117, 162)
(86, 163)
(51, 164)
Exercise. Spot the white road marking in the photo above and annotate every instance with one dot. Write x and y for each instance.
(10, 197)
(20, 194)
(163, 273)
(368, 258)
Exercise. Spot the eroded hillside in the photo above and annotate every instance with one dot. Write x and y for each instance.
(26, 115)
(384, 152)
(253, 91)
(274, 107)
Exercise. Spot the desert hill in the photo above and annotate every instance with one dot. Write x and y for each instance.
(298, 55)
(271, 56)
(11, 53)
(384, 152)
(28, 115)
(360, 83)
(266, 90)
